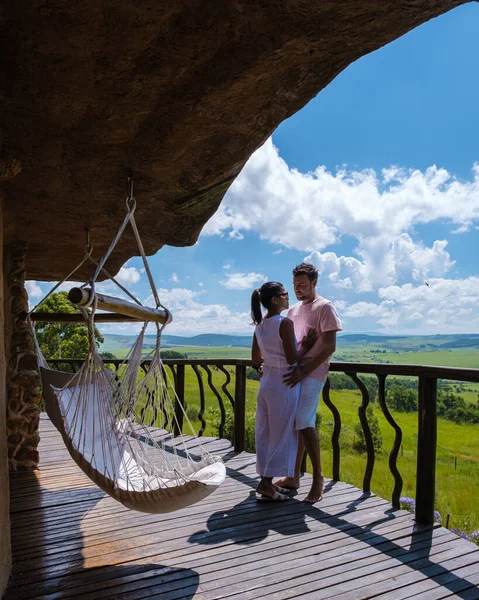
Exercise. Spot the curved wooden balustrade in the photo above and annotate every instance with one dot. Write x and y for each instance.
(427, 419)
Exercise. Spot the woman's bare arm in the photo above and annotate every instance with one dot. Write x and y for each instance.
(256, 355)
(286, 333)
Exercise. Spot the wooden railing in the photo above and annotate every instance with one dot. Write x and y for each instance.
(427, 417)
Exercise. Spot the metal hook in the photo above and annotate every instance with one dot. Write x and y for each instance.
(88, 246)
(130, 183)
(130, 200)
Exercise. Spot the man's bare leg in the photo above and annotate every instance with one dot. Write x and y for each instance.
(293, 483)
(310, 439)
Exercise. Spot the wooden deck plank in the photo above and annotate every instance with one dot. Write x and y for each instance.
(147, 545)
(240, 559)
(202, 556)
(463, 578)
(72, 541)
(330, 575)
(220, 575)
(130, 521)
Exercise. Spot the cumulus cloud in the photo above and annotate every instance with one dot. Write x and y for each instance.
(128, 275)
(191, 316)
(444, 305)
(309, 211)
(342, 271)
(33, 289)
(242, 281)
(398, 261)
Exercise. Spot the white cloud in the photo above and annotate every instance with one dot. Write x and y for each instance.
(409, 259)
(128, 276)
(398, 261)
(342, 271)
(242, 281)
(174, 278)
(191, 317)
(33, 289)
(309, 211)
(445, 305)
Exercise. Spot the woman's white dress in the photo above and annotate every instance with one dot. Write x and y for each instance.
(276, 438)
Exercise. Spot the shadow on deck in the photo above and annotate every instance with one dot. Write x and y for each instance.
(70, 540)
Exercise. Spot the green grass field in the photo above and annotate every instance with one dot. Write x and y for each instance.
(200, 352)
(457, 466)
(226, 352)
(468, 359)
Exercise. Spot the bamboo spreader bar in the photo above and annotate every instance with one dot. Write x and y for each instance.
(81, 297)
(38, 317)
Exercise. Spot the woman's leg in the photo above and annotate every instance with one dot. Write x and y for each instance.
(283, 439)
(265, 487)
(261, 432)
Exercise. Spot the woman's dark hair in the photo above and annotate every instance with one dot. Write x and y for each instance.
(263, 296)
(306, 269)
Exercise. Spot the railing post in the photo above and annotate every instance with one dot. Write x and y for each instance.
(426, 451)
(240, 408)
(179, 400)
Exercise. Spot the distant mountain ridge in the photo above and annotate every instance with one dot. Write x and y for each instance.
(115, 342)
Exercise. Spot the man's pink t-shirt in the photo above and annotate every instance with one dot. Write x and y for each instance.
(320, 315)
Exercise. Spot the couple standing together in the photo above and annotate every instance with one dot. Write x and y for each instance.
(293, 376)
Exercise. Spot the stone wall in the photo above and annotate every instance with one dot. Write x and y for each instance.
(23, 392)
(5, 552)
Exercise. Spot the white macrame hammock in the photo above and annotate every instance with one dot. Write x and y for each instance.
(101, 416)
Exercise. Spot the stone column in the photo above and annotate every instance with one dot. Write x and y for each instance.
(5, 550)
(23, 381)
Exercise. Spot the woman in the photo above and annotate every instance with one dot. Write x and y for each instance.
(274, 348)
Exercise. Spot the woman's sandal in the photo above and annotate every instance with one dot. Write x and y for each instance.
(276, 497)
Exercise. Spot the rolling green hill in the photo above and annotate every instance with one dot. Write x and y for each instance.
(114, 343)
(441, 350)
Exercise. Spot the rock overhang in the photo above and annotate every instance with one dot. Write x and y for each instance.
(181, 93)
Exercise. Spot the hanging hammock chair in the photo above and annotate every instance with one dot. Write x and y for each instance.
(101, 415)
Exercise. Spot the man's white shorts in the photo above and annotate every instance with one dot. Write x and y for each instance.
(308, 403)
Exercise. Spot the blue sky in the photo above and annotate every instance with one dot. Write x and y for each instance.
(376, 181)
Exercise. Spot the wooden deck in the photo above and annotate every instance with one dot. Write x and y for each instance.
(72, 541)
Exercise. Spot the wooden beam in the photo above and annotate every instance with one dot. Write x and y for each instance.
(81, 297)
(78, 318)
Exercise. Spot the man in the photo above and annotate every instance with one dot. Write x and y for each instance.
(312, 311)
